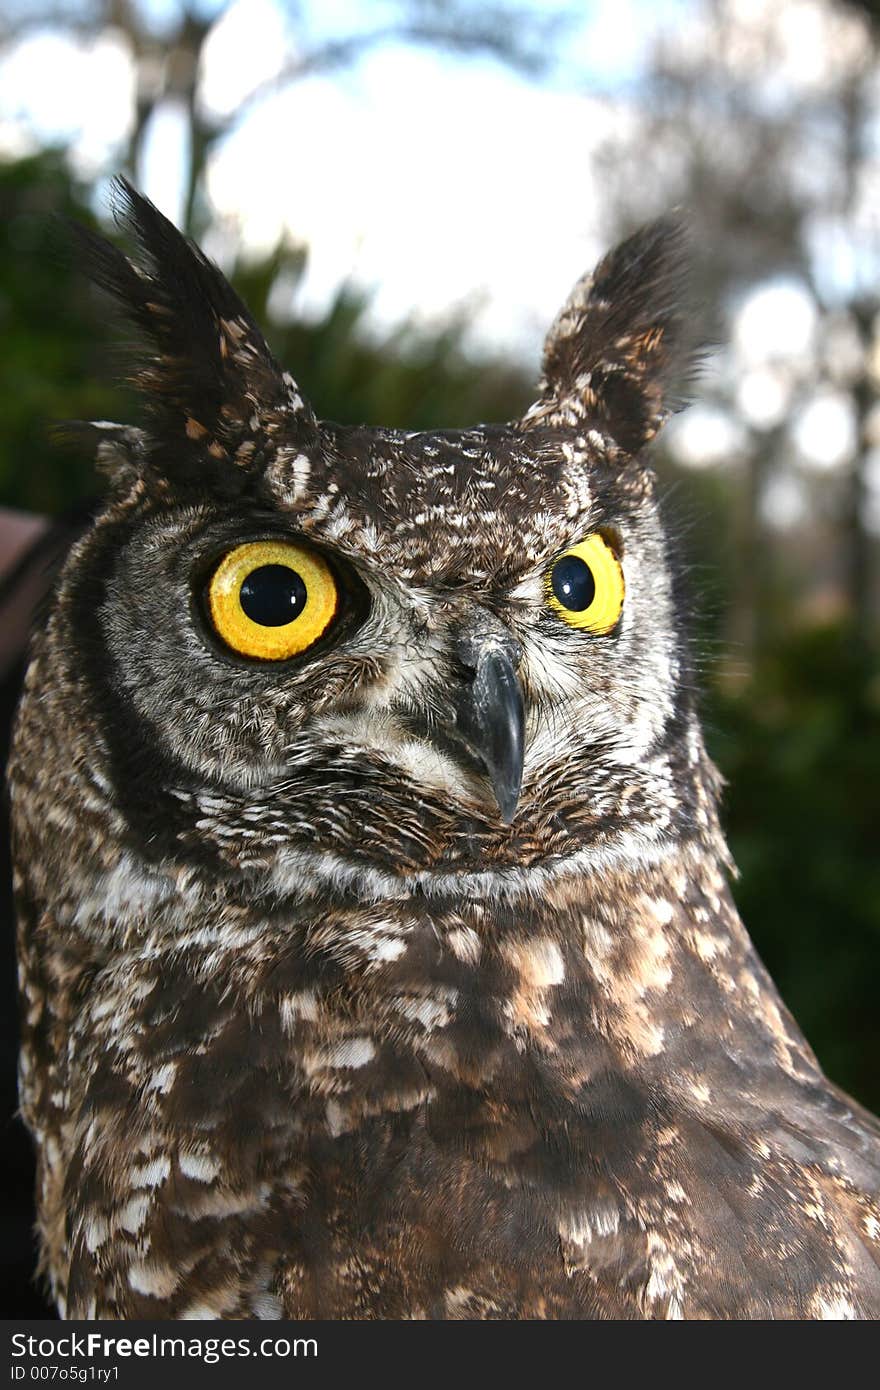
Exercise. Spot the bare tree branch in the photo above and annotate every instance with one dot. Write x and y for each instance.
(339, 53)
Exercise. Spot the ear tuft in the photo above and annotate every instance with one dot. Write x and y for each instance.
(615, 353)
(213, 391)
(120, 451)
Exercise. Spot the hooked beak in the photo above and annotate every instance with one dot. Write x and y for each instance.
(490, 716)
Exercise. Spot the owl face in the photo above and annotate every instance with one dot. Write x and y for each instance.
(412, 654)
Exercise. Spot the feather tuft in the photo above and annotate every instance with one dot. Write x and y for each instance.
(208, 379)
(615, 354)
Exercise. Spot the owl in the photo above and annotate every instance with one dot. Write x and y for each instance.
(378, 958)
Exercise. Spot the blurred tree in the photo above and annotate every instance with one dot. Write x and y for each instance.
(410, 379)
(56, 364)
(800, 748)
(871, 8)
(50, 367)
(167, 50)
(760, 124)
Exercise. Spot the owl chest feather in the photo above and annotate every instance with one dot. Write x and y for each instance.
(414, 1109)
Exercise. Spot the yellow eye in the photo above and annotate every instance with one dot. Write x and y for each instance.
(585, 585)
(272, 599)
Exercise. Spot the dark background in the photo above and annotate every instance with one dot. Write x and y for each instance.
(773, 180)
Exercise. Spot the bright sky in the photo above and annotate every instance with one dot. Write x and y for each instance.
(431, 179)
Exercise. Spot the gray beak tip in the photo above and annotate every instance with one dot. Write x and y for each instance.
(493, 722)
(506, 777)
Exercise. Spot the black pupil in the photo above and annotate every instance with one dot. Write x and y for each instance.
(573, 583)
(273, 595)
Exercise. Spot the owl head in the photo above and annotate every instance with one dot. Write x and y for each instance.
(378, 655)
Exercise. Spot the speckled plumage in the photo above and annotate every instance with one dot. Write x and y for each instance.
(309, 1030)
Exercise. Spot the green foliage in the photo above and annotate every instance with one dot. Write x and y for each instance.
(51, 365)
(800, 748)
(410, 380)
(58, 361)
